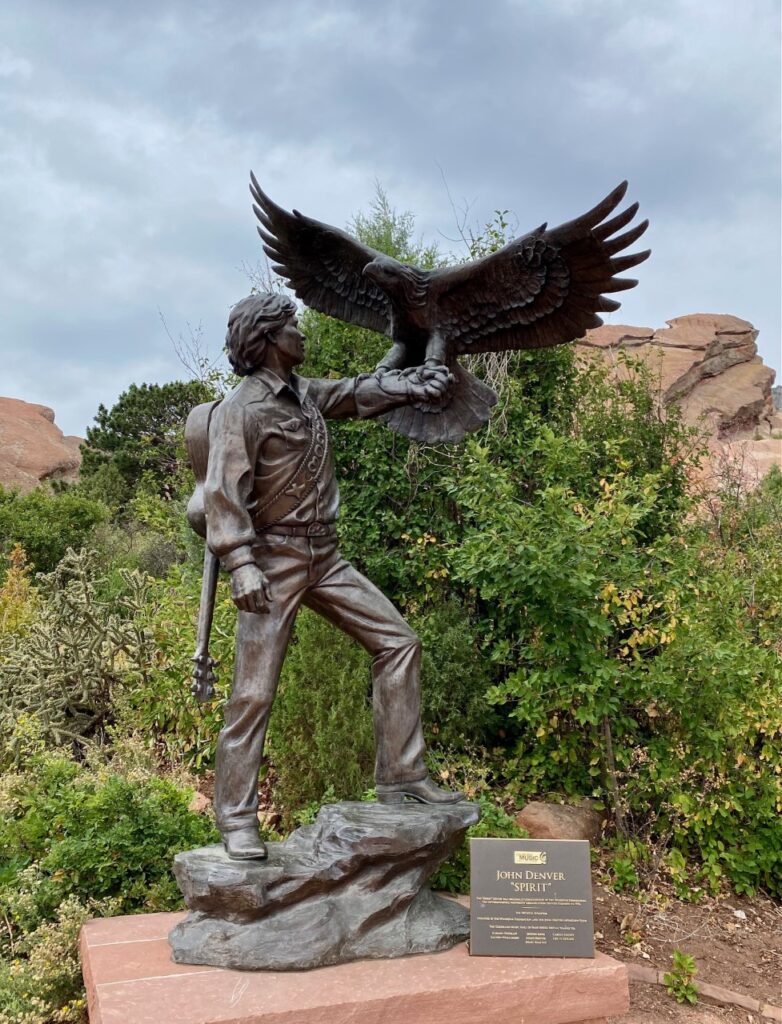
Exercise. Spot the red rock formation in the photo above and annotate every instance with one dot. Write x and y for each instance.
(708, 363)
(33, 448)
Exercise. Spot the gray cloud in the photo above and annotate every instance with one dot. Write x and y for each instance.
(126, 136)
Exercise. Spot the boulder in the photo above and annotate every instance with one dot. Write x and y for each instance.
(33, 449)
(351, 886)
(561, 821)
(708, 364)
(199, 803)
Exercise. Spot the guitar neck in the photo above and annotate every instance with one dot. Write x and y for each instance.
(206, 607)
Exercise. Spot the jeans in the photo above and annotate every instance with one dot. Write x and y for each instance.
(311, 571)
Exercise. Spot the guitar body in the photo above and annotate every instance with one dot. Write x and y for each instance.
(197, 443)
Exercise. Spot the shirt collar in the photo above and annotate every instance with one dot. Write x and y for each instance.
(298, 385)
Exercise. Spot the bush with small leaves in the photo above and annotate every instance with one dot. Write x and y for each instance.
(40, 979)
(496, 823)
(77, 842)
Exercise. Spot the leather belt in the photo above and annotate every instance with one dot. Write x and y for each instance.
(305, 530)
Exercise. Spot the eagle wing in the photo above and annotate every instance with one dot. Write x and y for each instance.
(545, 288)
(322, 264)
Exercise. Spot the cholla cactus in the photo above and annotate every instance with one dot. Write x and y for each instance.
(69, 663)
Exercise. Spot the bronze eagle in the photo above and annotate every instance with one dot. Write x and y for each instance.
(544, 288)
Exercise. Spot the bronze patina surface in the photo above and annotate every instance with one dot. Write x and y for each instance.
(267, 502)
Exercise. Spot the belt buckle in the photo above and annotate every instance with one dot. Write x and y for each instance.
(316, 530)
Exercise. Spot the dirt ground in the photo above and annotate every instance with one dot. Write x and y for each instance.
(651, 1004)
(736, 942)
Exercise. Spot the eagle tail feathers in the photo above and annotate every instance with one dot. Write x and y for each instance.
(468, 409)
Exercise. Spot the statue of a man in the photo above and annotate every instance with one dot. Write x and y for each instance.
(271, 502)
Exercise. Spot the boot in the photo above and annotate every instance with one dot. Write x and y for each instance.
(244, 844)
(424, 791)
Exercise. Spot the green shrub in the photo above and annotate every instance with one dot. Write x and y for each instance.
(40, 981)
(76, 843)
(455, 675)
(159, 704)
(47, 524)
(93, 835)
(496, 823)
(712, 769)
(321, 736)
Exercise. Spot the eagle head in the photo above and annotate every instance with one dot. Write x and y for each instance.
(384, 271)
(400, 282)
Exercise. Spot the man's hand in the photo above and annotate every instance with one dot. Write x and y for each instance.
(427, 384)
(250, 589)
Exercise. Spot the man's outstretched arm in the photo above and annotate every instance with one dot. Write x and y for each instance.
(370, 395)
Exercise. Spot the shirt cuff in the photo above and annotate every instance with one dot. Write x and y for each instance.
(239, 556)
(371, 399)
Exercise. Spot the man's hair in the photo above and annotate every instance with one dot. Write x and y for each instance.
(250, 323)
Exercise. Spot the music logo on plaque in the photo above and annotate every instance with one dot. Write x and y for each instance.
(530, 897)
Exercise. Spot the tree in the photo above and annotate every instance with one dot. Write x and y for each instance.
(140, 437)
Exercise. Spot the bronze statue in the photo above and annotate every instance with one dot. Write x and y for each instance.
(545, 288)
(353, 885)
(266, 498)
(267, 502)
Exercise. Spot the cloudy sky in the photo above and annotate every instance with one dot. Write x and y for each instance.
(127, 132)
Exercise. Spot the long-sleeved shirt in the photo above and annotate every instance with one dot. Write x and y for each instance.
(258, 437)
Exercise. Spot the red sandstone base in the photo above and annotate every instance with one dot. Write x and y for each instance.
(131, 979)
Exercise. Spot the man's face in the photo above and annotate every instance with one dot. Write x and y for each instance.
(290, 341)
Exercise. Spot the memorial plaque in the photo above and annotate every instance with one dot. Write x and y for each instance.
(530, 897)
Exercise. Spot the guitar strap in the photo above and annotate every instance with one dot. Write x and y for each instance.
(304, 478)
